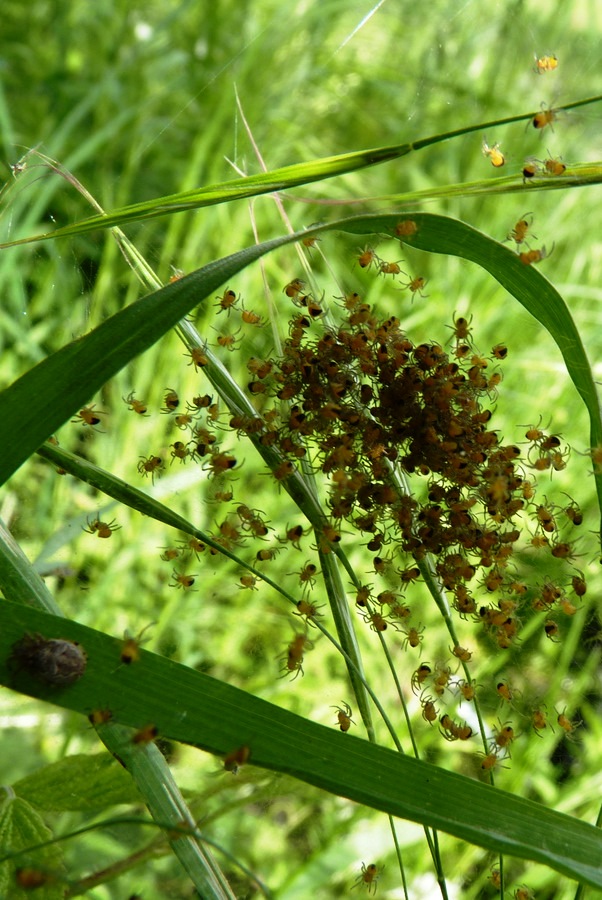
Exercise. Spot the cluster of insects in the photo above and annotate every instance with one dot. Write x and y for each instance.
(353, 397)
(357, 401)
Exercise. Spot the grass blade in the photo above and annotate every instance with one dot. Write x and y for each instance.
(219, 718)
(277, 180)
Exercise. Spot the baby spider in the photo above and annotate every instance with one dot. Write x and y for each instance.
(494, 154)
(307, 575)
(88, 416)
(506, 692)
(389, 268)
(100, 716)
(519, 232)
(198, 358)
(252, 318)
(528, 257)
(367, 258)
(130, 648)
(553, 166)
(102, 529)
(191, 545)
(490, 761)
(180, 451)
(369, 875)
(294, 655)
(248, 582)
(228, 341)
(429, 710)
(543, 118)
(545, 64)
(182, 581)
(227, 301)
(530, 170)
(461, 329)
(344, 714)
(420, 675)
(169, 553)
(416, 286)
(294, 288)
(503, 737)
(567, 725)
(406, 228)
(539, 720)
(149, 465)
(146, 735)
(171, 401)
(413, 637)
(307, 611)
(136, 406)
(461, 653)
(236, 758)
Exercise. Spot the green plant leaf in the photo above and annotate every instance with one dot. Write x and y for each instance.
(218, 718)
(21, 826)
(79, 783)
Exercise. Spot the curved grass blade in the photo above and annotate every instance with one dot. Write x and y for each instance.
(279, 179)
(216, 717)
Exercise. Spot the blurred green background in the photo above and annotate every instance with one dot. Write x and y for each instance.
(139, 100)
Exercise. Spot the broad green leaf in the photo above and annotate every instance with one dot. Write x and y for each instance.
(21, 826)
(278, 180)
(79, 783)
(219, 718)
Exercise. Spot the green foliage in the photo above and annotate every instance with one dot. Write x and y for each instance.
(146, 129)
(79, 782)
(22, 827)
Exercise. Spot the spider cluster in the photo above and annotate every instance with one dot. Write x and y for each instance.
(372, 409)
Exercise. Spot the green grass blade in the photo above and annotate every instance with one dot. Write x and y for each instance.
(219, 718)
(280, 179)
(576, 175)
